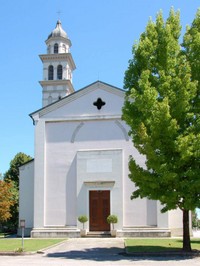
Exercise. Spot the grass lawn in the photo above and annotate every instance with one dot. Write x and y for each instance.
(13, 244)
(158, 245)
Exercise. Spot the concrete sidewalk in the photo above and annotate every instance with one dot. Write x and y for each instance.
(81, 247)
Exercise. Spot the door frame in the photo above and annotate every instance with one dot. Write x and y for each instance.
(98, 189)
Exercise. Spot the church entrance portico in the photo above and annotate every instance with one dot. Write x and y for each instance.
(99, 210)
(99, 179)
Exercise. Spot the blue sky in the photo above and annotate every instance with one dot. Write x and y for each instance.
(102, 34)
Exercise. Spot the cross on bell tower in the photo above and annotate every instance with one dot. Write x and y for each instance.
(59, 12)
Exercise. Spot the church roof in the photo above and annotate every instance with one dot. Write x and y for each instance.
(58, 31)
(28, 162)
(79, 93)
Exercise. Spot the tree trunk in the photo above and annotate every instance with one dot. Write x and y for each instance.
(186, 232)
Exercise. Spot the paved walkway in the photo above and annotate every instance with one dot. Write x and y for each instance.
(94, 248)
(92, 251)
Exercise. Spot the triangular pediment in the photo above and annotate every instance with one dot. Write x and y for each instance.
(98, 98)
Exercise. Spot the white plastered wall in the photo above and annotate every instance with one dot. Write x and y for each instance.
(61, 164)
(176, 222)
(39, 173)
(65, 179)
(26, 194)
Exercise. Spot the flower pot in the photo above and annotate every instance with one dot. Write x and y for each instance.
(113, 232)
(83, 232)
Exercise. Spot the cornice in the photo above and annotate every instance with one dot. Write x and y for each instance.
(58, 57)
(57, 82)
(60, 38)
(36, 117)
(99, 183)
(83, 118)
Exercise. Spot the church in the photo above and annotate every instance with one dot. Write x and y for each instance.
(81, 154)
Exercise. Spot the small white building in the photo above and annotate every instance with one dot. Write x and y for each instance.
(82, 150)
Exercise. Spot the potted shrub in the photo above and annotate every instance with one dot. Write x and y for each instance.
(83, 219)
(112, 219)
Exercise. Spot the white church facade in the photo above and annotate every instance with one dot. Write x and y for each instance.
(80, 166)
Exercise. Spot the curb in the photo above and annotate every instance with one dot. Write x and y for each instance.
(42, 251)
(12, 253)
(194, 253)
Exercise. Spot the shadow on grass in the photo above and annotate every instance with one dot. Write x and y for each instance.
(153, 249)
(163, 246)
(114, 254)
(8, 235)
(192, 241)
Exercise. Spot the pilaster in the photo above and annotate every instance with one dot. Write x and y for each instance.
(39, 176)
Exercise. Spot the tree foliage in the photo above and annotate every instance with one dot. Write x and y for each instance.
(83, 219)
(162, 109)
(13, 172)
(112, 219)
(13, 175)
(7, 200)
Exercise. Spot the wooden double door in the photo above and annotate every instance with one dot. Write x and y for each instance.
(99, 202)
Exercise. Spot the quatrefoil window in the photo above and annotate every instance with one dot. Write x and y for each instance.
(99, 103)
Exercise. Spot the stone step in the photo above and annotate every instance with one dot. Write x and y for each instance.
(97, 234)
(144, 232)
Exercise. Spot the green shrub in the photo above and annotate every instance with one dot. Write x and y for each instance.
(83, 219)
(112, 219)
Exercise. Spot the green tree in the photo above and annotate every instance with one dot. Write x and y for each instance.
(13, 175)
(13, 172)
(7, 200)
(162, 110)
(191, 46)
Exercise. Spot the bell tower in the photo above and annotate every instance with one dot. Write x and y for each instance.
(58, 66)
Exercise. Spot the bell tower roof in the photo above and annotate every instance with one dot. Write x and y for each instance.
(58, 31)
